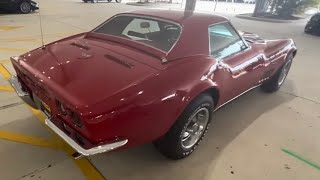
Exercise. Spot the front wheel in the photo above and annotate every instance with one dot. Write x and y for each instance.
(277, 80)
(118, 1)
(25, 7)
(187, 132)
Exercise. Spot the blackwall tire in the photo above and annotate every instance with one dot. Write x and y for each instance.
(193, 123)
(278, 79)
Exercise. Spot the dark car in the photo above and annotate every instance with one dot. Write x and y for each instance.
(24, 6)
(313, 26)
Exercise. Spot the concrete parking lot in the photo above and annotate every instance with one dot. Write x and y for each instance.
(257, 136)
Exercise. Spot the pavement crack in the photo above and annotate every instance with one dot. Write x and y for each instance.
(10, 105)
(35, 172)
(316, 102)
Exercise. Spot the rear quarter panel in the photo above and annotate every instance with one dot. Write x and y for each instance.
(277, 52)
(146, 111)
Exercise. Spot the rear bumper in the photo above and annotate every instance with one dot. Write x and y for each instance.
(34, 5)
(85, 152)
(34, 8)
(25, 96)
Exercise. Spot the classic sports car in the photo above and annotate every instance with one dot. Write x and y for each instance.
(23, 6)
(147, 76)
(313, 26)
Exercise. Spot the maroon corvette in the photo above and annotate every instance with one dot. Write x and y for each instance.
(147, 76)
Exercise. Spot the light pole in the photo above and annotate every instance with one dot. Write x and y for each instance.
(190, 5)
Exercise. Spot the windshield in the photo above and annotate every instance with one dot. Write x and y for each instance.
(152, 32)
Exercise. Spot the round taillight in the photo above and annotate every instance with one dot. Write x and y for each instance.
(76, 120)
(62, 108)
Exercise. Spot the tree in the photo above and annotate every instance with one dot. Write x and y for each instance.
(261, 7)
(283, 8)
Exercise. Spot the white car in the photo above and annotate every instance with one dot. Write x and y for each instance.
(249, 1)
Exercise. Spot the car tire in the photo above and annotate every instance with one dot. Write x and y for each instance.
(277, 80)
(118, 1)
(181, 140)
(85, 1)
(308, 28)
(25, 7)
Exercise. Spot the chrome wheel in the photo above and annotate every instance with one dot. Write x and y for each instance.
(195, 128)
(284, 72)
(25, 7)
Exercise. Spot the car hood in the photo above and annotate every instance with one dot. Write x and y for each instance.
(82, 73)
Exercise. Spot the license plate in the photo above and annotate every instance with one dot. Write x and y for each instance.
(46, 109)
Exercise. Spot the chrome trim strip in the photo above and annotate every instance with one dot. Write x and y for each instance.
(78, 148)
(236, 97)
(25, 96)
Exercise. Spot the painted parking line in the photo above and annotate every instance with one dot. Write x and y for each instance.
(6, 88)
(5, 61)
(301, 158)
(27, 139)
(56, 143)
(8, 28)
(4, 72)
(13, 49)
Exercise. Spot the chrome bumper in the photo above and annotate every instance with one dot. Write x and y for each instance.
(25, 96)
(78, 148)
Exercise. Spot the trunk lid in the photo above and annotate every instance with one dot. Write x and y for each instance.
(82, 73)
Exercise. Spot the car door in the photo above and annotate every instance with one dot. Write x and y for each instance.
(240, 65)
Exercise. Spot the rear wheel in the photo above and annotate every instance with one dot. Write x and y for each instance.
(25, 7)
(187, 132)
(277, 80)
(118, 1)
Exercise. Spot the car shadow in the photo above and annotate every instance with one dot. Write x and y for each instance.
(227, 123)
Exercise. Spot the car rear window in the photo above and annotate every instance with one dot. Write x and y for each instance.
(151, 32)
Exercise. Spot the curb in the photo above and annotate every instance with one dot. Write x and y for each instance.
(249, 17)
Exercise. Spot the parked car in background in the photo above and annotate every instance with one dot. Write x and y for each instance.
(313, 26)
(23, 6)
(249, 1)
(147, 76)
(96, 1)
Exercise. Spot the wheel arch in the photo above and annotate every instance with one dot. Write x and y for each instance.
(214, 93)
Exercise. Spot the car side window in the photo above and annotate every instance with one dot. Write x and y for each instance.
(224, 41)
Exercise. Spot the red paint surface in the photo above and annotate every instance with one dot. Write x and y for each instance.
(142, 102)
